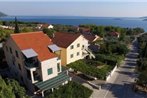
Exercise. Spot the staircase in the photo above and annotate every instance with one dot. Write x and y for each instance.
(88, 52)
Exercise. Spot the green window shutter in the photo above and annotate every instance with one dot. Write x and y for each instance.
(50, 71)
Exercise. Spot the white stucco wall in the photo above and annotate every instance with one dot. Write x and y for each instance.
(80, 40)
(51, 63)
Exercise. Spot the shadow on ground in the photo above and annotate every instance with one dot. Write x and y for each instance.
(123, 91)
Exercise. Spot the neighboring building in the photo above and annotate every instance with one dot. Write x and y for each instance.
(91, 37)
(7, 27)
(114, 34)
(84, 30)
(74, 46)
(41, 26)
(94, 47)
(50, 27)
(35, 61)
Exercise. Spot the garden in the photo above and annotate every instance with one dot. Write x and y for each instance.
(70, 90)
(110, 54)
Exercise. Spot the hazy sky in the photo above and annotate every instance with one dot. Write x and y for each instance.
(107, 8)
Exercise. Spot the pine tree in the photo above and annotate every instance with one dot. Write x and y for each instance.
(16, 30)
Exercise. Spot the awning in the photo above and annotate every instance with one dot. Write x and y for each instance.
(29, 53)
(54, 47)
(54, 82)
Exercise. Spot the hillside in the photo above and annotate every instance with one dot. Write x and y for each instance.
(2, 14)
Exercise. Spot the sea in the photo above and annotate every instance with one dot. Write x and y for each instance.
(126, 22)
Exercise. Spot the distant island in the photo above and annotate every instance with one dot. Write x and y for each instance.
(2, 14)
(145, 19)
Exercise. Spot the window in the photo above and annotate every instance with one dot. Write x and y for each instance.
(10, 50)
(71, 56)
(58, 66)
(78, 45)
(19, 66)
(50, 71)
(82, 46)
(71, 47)
(16, 54)
(78, 53)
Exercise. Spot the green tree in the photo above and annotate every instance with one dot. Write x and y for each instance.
(16, 30)
(5, 90)
(10, 88)
(142, 79)
(17, 89)
(26, 29)
(49, 32)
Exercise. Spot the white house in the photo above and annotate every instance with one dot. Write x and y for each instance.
(74, 46)
(35, 61)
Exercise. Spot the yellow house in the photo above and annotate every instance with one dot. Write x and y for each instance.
(32, 59)
(74, 46)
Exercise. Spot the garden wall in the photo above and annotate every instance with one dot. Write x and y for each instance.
(108, 77)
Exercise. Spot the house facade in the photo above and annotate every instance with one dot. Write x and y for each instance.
(35, 61)
(73, 47)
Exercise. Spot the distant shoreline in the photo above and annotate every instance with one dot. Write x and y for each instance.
(76, 20)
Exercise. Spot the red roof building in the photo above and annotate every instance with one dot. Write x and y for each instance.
(38, 41)
(115, 34)
(64, 39)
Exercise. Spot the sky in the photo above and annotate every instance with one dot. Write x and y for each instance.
(96, 8)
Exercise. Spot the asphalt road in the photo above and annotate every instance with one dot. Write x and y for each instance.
(121, 87)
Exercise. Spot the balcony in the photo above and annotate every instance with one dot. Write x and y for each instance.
(31, 64)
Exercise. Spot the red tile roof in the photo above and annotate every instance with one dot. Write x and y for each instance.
(90, 38)
(38, 41)
(84, 29)
(114, 33)
(65, 39)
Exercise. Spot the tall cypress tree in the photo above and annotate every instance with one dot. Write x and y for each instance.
(16, 30)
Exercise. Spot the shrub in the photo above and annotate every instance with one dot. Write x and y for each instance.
(70, 90)
(100, 73)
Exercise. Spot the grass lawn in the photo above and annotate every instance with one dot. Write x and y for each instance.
(70, 90)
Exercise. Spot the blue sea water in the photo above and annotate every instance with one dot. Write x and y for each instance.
(76, 20)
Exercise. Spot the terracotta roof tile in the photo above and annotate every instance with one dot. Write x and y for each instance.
(65, 39)
(89, 37)
(38, 41)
